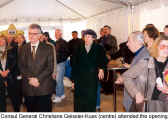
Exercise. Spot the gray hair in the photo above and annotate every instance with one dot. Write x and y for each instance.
(35, 26)
(58, 29)
(138, 36)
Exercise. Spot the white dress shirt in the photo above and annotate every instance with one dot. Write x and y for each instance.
(36, 46)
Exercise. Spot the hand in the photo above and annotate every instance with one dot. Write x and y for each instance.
(139, 98)
(119, 80)
(54, 76)
(6, 84)
(34, 82)
(163, 89)
(7, 70)
(73, 85)
(126, 65)
(101, 74)
(108, 57)
(4, 73)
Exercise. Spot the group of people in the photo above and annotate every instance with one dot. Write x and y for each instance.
(35, 70)
(145, 82)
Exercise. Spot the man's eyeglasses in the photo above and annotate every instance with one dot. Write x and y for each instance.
(34, 34)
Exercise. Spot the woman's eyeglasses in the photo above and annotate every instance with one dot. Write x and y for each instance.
(163, 47)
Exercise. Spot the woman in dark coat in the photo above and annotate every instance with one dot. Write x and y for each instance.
(88, 65)
(20, 41)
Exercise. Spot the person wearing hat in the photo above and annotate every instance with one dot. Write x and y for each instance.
(88, 65)
(11, 33)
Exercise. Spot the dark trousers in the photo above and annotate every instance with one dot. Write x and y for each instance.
(14, 93)
(38, 103)
(2, 97)
(2, 104)
(84, 107)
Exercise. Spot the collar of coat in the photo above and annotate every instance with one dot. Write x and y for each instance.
(151, 63)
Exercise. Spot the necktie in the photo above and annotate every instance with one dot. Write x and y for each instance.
(33, 52)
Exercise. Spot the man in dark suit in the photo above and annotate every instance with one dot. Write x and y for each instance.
(109, 42)
(36, 65)
(74, 43)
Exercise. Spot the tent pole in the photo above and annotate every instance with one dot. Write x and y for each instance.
(132, 17)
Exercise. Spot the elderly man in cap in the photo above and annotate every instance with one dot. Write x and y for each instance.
(88, 65)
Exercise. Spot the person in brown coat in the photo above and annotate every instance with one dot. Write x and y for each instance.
(36, 66)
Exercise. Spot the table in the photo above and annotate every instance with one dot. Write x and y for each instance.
(115, 86)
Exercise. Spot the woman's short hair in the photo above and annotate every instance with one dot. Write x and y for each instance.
(4, 37)
(152, 32)
(23, 37)
(149, 25)
(154, 49)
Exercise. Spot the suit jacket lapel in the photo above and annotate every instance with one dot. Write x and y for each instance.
(83, 50)
(29, 51)
(1, 66)
(38, 53)
(30, 57)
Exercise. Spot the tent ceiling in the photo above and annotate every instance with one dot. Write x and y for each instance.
(127, 2)
(136, 2)
(51, 10)
(5, 2)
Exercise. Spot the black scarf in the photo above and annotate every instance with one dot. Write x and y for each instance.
(159, 68)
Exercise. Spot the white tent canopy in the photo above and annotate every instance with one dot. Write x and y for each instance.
(51, 10)
(123, 16)
(132, 18)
